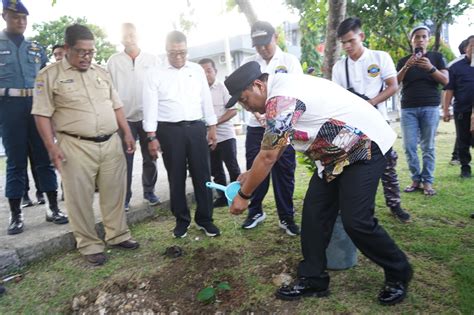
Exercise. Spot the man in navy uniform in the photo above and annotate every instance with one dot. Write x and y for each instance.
(20, 61)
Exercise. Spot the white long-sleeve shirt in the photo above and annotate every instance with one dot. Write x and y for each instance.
(127, 75)
(173, 95)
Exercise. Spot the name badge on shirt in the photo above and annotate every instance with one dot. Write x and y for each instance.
(5, 52)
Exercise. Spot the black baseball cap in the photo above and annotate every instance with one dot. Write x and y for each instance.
(261, 33)
(240, 79)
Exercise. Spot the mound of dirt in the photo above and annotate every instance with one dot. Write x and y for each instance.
(171, 290)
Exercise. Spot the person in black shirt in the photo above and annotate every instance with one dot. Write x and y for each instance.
(420, 74)
(461, 87)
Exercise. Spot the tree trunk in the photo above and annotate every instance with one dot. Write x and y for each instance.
(336, 13)
(437, 41)
(246, 7)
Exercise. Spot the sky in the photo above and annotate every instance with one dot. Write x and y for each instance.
(155, 18)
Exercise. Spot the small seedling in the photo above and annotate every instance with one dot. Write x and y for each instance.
(209, 294)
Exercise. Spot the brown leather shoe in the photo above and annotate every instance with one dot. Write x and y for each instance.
(96, 259)
(128, 244)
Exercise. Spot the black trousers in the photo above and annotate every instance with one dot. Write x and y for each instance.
(225, 152)
(149, 171)
(353, 194)
(462, 122)
(282, 174)
(186, 144)
(20, 138)
(33, 172)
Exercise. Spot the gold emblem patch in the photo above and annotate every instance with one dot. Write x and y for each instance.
(373, 70)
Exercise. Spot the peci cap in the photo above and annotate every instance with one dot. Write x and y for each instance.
(419, 27)
(15, 6)
(240, 79)
(261, 33)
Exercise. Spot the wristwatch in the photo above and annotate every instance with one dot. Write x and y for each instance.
(150, 138)
(244, 196)
(432, 70)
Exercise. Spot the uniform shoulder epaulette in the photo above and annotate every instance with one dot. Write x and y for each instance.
(101, 68)
(51, 65)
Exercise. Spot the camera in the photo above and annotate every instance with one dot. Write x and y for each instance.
(418, 52)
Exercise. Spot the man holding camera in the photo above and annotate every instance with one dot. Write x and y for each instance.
(371, 75)
(421, 73)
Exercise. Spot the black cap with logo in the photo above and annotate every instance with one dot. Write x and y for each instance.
(261, 33)
(240, 79)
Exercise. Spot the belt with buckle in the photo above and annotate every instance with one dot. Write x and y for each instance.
(16, 92)
(102, 138)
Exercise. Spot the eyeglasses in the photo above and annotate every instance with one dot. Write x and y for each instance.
(177, 53)
(83, 52)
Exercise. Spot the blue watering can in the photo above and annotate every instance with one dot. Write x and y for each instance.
(230, 191)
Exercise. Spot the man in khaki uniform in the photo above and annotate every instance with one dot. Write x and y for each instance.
(77, 99)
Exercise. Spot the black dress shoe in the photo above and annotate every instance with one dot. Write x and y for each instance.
(395, 292)
(128, 244)
(392, 293)
(2, 290)
(16, 224)
(56, 216)
(299, 289)
(96, 259)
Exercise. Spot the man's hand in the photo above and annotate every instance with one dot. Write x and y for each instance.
(446, 116)
(424, 63)
(243, 177)
(239, 205)
(411, 61)
(154, 148)
(212, 137)
(56, 156)
(129, 142)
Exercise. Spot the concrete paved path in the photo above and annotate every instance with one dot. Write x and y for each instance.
(41, 238)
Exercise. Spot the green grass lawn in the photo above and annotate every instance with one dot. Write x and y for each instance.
(439, 243)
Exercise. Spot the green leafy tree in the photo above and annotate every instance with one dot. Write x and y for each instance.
(52, 33)
(246, 8)
(388, 23)
(441, 12)
(313, 28)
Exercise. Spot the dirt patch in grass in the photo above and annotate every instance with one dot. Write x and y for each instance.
(173, 288)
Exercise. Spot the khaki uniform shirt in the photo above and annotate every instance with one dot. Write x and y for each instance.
(79, 102)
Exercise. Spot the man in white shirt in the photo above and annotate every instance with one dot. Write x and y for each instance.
(371, 74)
(177, 106)
(347, 138)
(127, 69)
(226, 149)
(271, 60)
